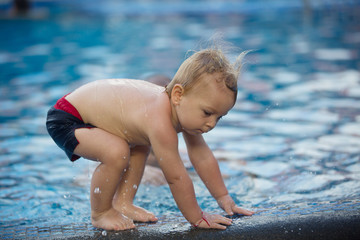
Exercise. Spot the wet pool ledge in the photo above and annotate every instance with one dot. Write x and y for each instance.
(319, 220)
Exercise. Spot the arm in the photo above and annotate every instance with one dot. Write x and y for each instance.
(208, 169)
(166, 151)
(165, 147)
(205, 165)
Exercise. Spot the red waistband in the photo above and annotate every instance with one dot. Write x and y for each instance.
(65, 105)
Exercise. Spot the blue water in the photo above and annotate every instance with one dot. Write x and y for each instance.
(293, 136)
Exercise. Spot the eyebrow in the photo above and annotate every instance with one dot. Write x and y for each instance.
(207, 107)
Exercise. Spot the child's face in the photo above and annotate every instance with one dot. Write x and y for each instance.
(200, 109)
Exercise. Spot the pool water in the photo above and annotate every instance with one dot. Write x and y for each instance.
(293, 136)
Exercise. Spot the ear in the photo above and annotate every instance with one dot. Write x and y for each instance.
(176, 94)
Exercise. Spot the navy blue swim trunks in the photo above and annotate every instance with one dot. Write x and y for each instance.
(61, 124)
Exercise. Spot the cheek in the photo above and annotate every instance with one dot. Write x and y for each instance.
(189, 118)
(184, 116)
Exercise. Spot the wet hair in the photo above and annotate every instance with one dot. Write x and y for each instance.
(211, 60)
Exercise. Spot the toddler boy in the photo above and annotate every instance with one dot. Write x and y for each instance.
(116, 121)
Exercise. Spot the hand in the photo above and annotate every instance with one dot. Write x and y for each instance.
(213, 221)
(229, 206)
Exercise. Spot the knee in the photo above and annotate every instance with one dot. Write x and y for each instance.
(117, 157)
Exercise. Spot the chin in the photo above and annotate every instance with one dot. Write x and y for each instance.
(195, 132)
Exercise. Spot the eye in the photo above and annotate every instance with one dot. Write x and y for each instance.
(218, 119)
(207, 113)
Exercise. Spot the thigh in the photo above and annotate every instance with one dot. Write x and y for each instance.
(99, 145)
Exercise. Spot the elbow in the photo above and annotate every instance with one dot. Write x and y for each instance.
(174, 179)
(178, 179)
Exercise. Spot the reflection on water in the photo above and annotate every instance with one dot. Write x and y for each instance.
(294, 134)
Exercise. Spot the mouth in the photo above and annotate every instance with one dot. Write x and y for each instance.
(201, 131)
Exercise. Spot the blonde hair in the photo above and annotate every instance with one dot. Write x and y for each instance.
(211, 60)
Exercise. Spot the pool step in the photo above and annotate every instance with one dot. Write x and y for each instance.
(315, 220)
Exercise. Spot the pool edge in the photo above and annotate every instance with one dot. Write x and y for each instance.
(307, 220)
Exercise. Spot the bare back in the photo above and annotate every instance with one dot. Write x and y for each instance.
(122, 107)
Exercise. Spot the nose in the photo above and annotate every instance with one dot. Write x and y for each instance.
(211, 124)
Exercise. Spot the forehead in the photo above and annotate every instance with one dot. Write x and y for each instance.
(212, 91)
(212, 84)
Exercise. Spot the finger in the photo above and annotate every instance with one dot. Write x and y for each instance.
(222, 220)
(228, 210)
(225, 221)
(218, 216)
(218, 226)
(239, 210)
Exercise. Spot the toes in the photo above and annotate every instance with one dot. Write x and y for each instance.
(152, 218)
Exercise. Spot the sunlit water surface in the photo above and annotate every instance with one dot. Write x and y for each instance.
(293, 136)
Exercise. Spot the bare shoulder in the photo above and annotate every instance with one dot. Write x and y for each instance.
(163, 137)
(160, 121)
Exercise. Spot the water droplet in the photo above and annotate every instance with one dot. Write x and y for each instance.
(107, 180)
(124, 157)
(125, 131)
(104, 233)
(126, 181)
(135, 186)
(97, 190)
(125, 170)
(66, 196)
(160, 159)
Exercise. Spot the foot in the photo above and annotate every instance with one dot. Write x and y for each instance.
(111, 220)
(136, 213)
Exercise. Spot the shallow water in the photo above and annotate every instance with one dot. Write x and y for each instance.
(293, 136)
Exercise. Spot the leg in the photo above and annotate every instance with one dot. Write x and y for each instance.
(128, 186)
(113, 153)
